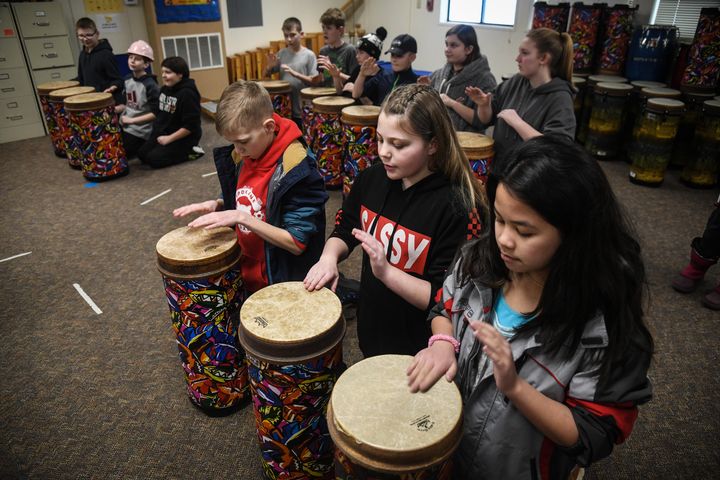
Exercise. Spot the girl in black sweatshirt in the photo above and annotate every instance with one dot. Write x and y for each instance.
(409, 212)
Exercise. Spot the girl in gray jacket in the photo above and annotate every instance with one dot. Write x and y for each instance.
(541, 321)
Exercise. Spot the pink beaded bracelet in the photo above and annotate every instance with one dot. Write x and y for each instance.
(445, 338)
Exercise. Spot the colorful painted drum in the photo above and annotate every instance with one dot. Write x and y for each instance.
(702, 72)
(605, 127)
(382, 431)
(653, 139)
(702, 169)
(651, 52)
(43, 91)
(585, 21)
(683, 149)
(70, 143)
(592, 80)
(307, 114)
(480, 151)
(328, 138)
(618, 26)
(204, 289)
(554, 17)
(280, 94)
(293, 339)
(94, 121)
(360, 141)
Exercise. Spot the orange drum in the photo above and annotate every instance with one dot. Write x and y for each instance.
(360, 141)
(480, 151)
(307, 114)
(328, 141)
(43, 91)
(67, 140)
(280, 94)
(94, 122)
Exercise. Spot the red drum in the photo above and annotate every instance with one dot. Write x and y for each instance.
(280, 94)
(67, 140)
(307, 114)
(94, 122)
(360, 140)
(328, 141)
(480, 151)
(43, 91)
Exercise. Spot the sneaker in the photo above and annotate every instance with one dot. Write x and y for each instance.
(712, 300)
(683, 284)
(196, 153)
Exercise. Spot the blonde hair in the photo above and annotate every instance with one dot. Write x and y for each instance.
(242, 104)
(424, 113)
(560, 48)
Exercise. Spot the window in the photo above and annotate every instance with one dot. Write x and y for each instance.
(199, 51)
(682, 13)
(484, 12)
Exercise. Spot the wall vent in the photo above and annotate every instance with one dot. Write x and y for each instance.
(201, 52)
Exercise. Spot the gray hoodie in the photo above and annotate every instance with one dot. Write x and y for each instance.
(547, 108)
(476, 73)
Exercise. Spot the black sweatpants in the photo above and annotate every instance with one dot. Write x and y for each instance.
(159, 156)
(132, 144)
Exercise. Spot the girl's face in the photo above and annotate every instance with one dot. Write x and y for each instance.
(529, 59)
(404, 155)
(455, 51)
(170, 78)
(527, 242)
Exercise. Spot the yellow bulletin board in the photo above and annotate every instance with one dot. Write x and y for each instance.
(104, 6)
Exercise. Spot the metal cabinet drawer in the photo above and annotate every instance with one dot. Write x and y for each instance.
(18, 111)
(7, 26)
(49, 52)
(54, 74)
(11, 55)
(40, 19)
(15, 82)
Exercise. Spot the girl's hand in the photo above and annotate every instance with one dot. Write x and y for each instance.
(324, 272)
(163, 140)
(510, 116)
(430, 364)
(369, 67)
(424, 80)
(226, 218)
(480, 98)
(449, 102)
(202, 207)
(497, 348)
(375, 252)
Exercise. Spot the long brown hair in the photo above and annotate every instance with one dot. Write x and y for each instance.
(560, 48)
(425, 114)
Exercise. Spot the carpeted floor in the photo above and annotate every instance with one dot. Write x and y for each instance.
(89, 395)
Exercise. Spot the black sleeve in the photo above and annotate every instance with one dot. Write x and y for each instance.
(190, 111)
(153, 94)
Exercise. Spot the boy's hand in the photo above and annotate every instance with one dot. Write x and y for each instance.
(287, 69)
(323, 62)
(480, 98)
(125, 120)
(430, 364)
(119, 108)
(202, 207)
(498, 350)
(271, 59)
(369, 67)
(163, 140)
(225, 218)
(324, 272)
(333, 70)
(449, 102)
(110, 89)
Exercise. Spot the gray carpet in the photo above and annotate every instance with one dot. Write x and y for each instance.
(102, 396)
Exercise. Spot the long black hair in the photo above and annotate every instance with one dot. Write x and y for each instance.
(597, 269)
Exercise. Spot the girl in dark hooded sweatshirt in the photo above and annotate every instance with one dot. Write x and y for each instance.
(409, 212)
(176, 129)
(535, 101)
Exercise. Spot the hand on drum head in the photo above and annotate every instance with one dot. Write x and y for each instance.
(430, 364)
(480, 98)
(324, 272)
(202, 207)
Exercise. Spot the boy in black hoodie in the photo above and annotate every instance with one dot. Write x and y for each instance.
(96, 63)
(176, 129)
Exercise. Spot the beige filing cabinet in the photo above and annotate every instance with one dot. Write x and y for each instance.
(20, 115)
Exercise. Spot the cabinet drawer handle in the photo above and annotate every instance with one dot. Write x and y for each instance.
(16, 117)
(48, 45)
(41, 24)
(3, 59)
(55, 75)
(10, 89)
(12, 105)
(4, 76)
(49, 55)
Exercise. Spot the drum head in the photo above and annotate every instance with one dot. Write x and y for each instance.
(361, 114)
(661, 105)
(197, 252)
(89, 101)
(614, 88)
(284, 323)
(606, 78)
(314, 92)
(275, 86)
(47, 87)
(474, 141)
(375, 420)
(333, 104)
(62, 94)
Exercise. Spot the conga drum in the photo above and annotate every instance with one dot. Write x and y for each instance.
(479, 149)
(293, 339)
(328, 138)
(280, 94)
(651, 52)
(683, 150)
(382, 431)
(307, 115)
(93, 120)
(635, 106)
(360, 141)
(592, 80)
(70, 144)
(702, 169)
(204, 289)
(43, 91)
(605, 126)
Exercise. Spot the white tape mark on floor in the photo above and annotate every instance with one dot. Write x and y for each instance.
(89, 300)
(15, 256)
(156, 196)
(208, 174)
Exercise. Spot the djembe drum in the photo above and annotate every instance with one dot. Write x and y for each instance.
(702, 169)
(93, 120)
(280, 92)
(605, 126)
(479, 149)
(70, 144)
(382, 431)
(328, 138)
(307, 115)
(293, 339)
(360, 141)
(203, 285)
(43, 91)
(587, 106)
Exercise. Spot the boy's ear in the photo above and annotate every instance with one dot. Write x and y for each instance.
(413, 56)
(269, 125)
